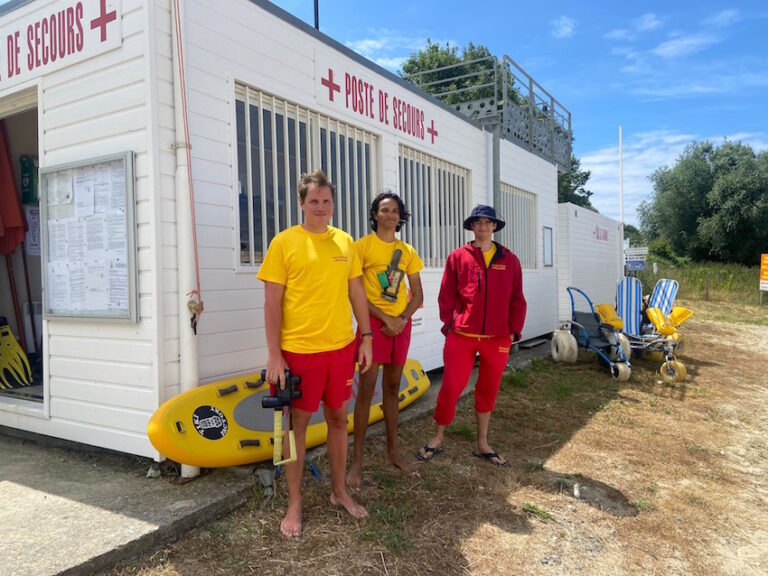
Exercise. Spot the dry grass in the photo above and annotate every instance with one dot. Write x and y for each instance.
(671, 479)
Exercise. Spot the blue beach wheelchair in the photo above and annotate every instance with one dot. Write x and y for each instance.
(587, 331)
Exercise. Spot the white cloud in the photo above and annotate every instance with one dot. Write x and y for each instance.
(724, 77)
(391, 48)
(562, 27)
(392, 64)
(646, 22)
(643, 153)
(671, 91)
(723, 19)
(620, 34)
(684, 45)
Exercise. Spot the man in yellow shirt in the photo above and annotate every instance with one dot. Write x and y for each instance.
(386, 261)
(311, 275)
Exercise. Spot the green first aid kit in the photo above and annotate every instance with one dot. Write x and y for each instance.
(29, 175)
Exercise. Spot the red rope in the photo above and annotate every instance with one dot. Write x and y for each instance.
(182, 78)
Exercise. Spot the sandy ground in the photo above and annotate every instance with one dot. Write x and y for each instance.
(605, 478)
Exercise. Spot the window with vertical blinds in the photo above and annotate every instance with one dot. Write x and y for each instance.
(518, 210)
(277, 141)
(436, 193)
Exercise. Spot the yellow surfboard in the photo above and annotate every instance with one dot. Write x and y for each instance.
(223, 423)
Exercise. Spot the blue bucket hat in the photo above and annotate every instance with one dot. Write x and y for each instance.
(483, 211)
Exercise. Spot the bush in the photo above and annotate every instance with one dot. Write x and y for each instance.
(661, 251)
(726, 282)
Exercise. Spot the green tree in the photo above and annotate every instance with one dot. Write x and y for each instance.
(736, 229)
(477, 69)
(471, 77)
(634, 235)
(679, 200)
(712, 204)
(571, 185)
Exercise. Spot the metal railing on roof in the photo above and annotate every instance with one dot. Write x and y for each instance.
(491, 91)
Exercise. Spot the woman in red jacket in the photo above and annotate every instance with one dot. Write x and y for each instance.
(482, 308)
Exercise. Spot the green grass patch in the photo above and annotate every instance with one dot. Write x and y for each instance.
(514, 379)
(542, 365)
(461, 429)
(560, 391)
(643, 505)
(540, 513)
(387, 528)
(717, 281)
(534, 465)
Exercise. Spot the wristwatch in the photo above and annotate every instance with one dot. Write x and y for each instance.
(364, 334)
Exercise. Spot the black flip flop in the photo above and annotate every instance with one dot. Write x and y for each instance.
(429, 453)
(489, 456)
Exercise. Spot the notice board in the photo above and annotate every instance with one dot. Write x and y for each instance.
(89, 239)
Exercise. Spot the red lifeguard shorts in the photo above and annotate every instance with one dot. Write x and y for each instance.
(325, 376)
(388, 349)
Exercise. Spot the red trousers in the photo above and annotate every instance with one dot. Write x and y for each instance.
(459, 359)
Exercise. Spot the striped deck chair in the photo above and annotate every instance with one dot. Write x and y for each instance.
(629, 301)
(664, 294)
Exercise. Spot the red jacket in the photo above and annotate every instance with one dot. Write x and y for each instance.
(481, 300)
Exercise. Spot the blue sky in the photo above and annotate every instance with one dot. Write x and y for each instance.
(669, 72)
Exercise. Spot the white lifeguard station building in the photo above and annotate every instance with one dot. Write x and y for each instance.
(170, 135)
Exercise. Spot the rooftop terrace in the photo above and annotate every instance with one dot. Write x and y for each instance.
(494, 91)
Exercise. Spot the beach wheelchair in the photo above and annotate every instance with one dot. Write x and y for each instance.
(586, 330)
(662, 313)
(656, 338)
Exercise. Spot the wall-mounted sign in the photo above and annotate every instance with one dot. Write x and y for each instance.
(36, 40)
(600, 233)
(343, 86)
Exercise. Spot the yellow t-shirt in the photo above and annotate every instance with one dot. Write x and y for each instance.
(315, 270)
(489, 255)
(375, 255)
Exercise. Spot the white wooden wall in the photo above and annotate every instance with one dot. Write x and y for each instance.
(104, 380)
(533, 174)
(586, 260)
(282, 62)
(101, 376)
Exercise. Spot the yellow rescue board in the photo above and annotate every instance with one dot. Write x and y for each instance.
(223, 423)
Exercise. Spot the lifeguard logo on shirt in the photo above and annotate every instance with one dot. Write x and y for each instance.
(340, 258)
(498, 266)
(504, 350)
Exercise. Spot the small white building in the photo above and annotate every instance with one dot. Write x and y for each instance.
(589, 256)
(125, 103)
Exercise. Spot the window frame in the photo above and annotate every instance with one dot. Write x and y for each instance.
(438, 198)
(317, 140)
(519, 209)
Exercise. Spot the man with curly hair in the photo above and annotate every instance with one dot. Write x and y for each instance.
(386, 262)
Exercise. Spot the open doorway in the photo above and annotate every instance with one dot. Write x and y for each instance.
(21, 373)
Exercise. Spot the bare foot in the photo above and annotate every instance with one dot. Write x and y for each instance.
(291, 524)
(355, 476)
(402, 464)
(354, 509)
